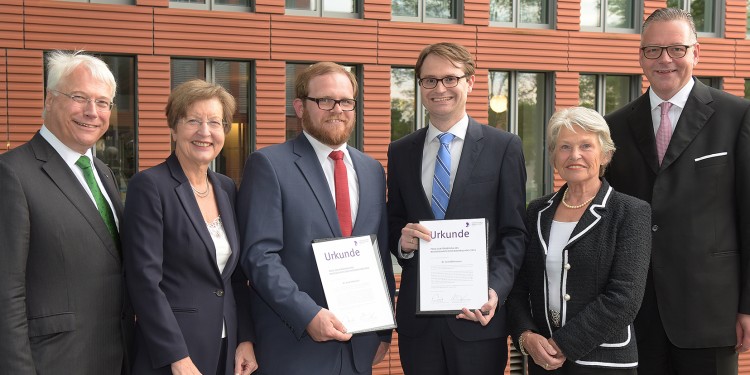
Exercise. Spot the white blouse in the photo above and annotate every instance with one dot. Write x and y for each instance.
(558, 237)
(223, 251)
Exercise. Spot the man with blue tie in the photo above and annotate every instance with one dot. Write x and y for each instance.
(455, 168)
(311, 187)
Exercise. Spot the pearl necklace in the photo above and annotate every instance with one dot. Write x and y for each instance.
(565, 196)
(203, 194)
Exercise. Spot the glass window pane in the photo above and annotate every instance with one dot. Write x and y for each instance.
(405, 8)
(620, 14)
(617, 92)
(591, 13)
(301, 4)
(117, 147)
(189, 1)
(747, 14)
(747, 89)
(499, 115)
(532, 11)
(439, 9)
(501, 10)
(403, 102)
(703, 15)
(531, 94)
(676, 4)
(587, 91)
(234, 76)
(183, 70)
(242, 3)
(346, 6)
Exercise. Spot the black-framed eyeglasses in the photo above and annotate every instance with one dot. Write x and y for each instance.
(448, 82)
(327, 104)
(674, 51)
(101, 104)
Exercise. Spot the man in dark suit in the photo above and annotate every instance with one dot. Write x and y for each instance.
(62, 295)
(487, 180)
(685, 148)
(289, 197)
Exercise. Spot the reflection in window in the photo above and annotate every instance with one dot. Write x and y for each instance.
(234, 76)
(607, 93)
(403, 102)
(430, 10)
(518, 102)
(608, 15)
(294, 124)
(703, 12)
(520, 12)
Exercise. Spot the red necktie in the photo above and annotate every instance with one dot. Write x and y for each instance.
(341, 181)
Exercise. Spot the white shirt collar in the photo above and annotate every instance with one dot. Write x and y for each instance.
(679, 99)
(66, 153)
(458, 129)
(323, 150)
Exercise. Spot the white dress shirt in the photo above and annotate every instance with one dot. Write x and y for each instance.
(678, 104)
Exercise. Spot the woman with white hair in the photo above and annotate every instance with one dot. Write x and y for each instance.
(584, 272)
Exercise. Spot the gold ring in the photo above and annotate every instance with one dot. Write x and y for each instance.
(546, 366)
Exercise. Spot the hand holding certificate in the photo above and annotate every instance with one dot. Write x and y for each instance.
(354, 284)
(453, 266)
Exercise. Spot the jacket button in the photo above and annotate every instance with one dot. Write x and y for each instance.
(219, 293)
(567, 297)
(567, 266)
(654, 228)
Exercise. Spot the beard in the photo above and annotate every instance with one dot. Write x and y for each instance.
(328, 134)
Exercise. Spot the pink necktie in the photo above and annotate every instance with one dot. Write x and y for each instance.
(665, 131)
(341, 182)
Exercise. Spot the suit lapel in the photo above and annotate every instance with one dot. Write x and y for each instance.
(54, 166)
(227, 214)
(190, 205)
(367, 185)
(544, 221)
(473, 145)
(591, 217)
(694, 116)
(642, 127)
(105, 175)
(309, 166)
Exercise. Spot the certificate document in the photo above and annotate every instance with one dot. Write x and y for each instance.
(354, 283)
(453, 266)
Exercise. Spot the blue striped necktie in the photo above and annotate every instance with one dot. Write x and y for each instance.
(441, 183)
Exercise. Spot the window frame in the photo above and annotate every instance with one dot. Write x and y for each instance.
(718, 18)
(210, 5)
(637, 20)
(600, 97)
(548, 24)
(422, 18)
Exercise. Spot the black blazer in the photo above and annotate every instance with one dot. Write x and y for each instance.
(700, 205)
(180, 298)
(603, 278)
(63, 303)
(490, 183)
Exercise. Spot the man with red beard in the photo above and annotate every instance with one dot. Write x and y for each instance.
(311, 187)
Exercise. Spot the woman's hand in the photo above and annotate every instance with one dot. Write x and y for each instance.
(244, 359)
(185, 366)
(544, 353)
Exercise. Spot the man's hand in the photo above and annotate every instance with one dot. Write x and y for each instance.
(478, 315)
(184, 366)
(382, 351)
(743, 333)
(244, 359)
(410, 235)
(544, 352)
(325, 327)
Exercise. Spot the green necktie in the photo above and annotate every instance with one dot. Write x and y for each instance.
(101, 203)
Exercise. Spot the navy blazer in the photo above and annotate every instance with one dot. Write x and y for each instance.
(283, 205)
(180, 298)
(489, 183)
(602, 282)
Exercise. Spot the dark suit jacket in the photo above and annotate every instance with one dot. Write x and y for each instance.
(606, 262)
(489, 183)
(283, 205)
(700, 207)
(63, 301)
(180, 298)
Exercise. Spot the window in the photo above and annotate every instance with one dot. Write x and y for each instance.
(747, 89)
(714, 82)
(323, 8)
(520, 13)
(234, 76)
(704, 12)
(519, 102)
(294, 124)
(229, 5)
(435, 11)
(747, 15)
(117, 148)
(609, 15)
(126, 2)
(405, 118)
(606, 93)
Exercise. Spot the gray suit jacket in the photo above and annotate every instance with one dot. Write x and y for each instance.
(63, 303)
(700, 206)
(283, 205)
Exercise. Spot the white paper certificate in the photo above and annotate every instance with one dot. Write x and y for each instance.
(453, 266)
(354, 284)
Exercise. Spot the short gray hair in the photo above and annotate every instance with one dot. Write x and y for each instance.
(589, 120)
(671, 14)
(60, 64)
